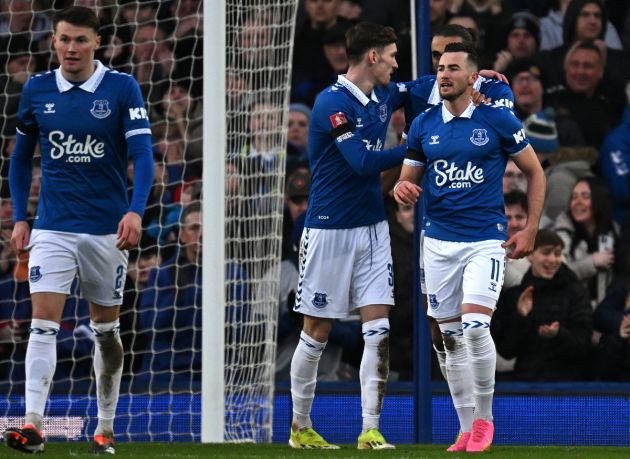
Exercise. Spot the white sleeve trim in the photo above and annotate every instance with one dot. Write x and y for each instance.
(519, 152)
(413, 163)
(19, 132)
(137, 132)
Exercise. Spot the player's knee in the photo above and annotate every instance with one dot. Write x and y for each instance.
(317, 328)
(375, 330)
(476, 326)
(105, 331)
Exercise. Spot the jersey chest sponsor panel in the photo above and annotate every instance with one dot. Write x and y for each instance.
(340, 197)
(82, 136)
(465, 159)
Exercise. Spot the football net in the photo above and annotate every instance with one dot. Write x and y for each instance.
(161, 44)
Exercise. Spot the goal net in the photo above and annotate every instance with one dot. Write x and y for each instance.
(161, 44)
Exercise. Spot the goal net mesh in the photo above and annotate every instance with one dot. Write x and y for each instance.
(161, 44)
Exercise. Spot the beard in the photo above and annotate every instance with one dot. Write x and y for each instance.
(453, 95)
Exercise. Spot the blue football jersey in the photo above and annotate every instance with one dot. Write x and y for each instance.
(83, 131)
(464, 159)
(347, 129)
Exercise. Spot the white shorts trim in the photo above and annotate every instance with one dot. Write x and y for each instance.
(56, 258)
(462, 272)
(344, 269)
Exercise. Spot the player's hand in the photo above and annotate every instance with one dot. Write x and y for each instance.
(406, 192)
(478, 98)
(549, 331)
(494, 75)
(20, 237)
(521, 243)
(525, 301)
(624, 328)
(129, 231)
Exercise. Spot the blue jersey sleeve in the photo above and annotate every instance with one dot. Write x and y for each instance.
(365, 162)
(21, 163)
(415, 153)
(143, 169)
(418, 100)
(26, 123)
(511, 132)
(136, 118)
(400, 93)
(499, 93)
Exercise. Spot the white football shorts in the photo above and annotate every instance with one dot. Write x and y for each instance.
(344, 269)
(57, 257)
(462, 272)
(423, 282)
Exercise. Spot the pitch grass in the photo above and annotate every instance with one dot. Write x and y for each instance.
(278, 451)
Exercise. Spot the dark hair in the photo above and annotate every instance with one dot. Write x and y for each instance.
(365, 36)
(601, 208)
(516, 198)
(473, 57)
(193, 207)
(547, 237)
(572, 14)
(456, 30)
(77, 16)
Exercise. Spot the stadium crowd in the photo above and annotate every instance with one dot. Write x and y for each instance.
(564, 313)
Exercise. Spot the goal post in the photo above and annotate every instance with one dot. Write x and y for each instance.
(213, 296)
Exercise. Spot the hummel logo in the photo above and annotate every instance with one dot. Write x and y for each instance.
(50, 108)
(435, 139)
(359, 123)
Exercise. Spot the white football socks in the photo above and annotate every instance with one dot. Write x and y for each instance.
(108, 363)
(483, 359)
(458, 372)
(304, 378)
(41, 361)
(374, 371)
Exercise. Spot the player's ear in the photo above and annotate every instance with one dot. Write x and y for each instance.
(372, 56)
(98, 41)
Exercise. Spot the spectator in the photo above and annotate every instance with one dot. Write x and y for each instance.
(584, 97)
(516, 214)
(20, 19)
(439, 14)
(297, 190)
(153, 60)
(546, 321)
(612, 319)
(521, 42)
(170, 311)
(528, 87)
(563, 165)
(491, 17)
(297, 137)
(513, 178)
(589, 233)
(614, 163)
(309, 61)
(585, 20)
(552, 28)
(334, 47)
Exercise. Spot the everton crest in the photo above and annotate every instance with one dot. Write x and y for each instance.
(479, 137)
(35, 274)
(382, 113)
(319, 300)
(100, 109)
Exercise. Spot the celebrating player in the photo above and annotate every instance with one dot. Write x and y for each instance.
(464, 150)
(88, 120)
(345, 256)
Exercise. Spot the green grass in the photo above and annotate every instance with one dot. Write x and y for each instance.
(275, 451)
